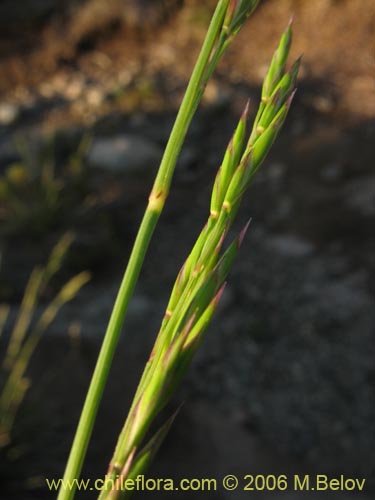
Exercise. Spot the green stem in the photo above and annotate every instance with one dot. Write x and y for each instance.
(155, 206)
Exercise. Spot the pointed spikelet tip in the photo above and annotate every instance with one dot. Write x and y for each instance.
(243, 232)
(245, 113)
(217, 297)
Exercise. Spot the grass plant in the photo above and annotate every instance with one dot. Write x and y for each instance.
(201, 281)
(35, 195)
(27, 331)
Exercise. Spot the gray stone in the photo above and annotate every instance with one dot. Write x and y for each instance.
(93, 307)
(125, 154)
(331, 173)
(343, 300)
(276, 172)
(360, 196)
(290, 246)
(8, 113)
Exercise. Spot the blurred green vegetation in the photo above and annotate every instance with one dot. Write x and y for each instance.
(20, 335)
(36, 194)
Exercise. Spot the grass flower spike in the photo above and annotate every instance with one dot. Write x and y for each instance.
(201, 281)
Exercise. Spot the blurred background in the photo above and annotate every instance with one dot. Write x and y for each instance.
(285, 379)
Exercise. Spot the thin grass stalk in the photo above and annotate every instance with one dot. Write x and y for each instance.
(219, 35)
(28, 330)
(4, 313)
(39, 279)
(27, 310)
(16, 384)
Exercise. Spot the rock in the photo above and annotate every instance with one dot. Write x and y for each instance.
(141, 13)
(128, 154)
(360, 196)
(74, 89)
(185, 171)
(323, 103)
(215, 95)
(95, 17)
(187, 158)
(8, 113)
(93, 307)
(284, 208)
(94, 97)
(290, 246)
(214, 446)
(276, 172)
(343, 301)
(331, 173)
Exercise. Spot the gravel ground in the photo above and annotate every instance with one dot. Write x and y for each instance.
(285, 378)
